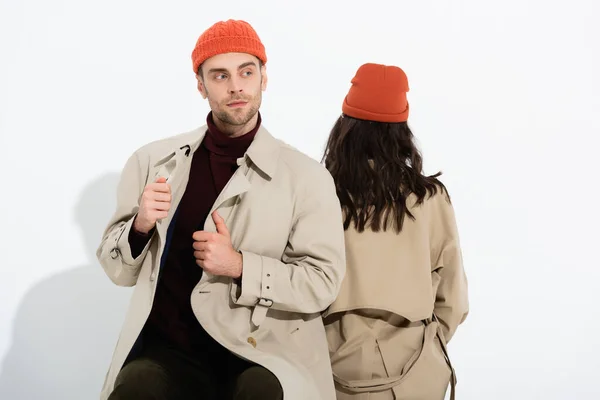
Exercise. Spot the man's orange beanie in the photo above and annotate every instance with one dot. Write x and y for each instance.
(378, 93)
(231, 36)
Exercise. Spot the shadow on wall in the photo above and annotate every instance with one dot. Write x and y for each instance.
(67, 325)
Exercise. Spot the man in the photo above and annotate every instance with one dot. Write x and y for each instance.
(234, 242)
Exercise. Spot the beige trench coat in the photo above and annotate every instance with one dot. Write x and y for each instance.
(284, 216)
(401, 300)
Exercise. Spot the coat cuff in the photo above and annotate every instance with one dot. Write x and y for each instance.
(252, 280)
(138, 241)
(123, 246)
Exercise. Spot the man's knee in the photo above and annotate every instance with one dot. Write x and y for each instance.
(256, 383)
(142, 379)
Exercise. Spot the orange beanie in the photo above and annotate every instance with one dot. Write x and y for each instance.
(378, 93)
(231, 36)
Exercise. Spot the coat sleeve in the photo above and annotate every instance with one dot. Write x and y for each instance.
(114, 252)
(308, 277)
(451, 300)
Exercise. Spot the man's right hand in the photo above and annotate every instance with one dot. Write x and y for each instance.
(155, 205)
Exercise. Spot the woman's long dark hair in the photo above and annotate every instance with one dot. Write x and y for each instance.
(376, 166)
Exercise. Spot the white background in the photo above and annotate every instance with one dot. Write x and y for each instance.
(504, 100)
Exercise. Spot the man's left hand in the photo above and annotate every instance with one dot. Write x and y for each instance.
(214, 252)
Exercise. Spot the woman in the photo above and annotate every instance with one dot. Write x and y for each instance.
(405, 290)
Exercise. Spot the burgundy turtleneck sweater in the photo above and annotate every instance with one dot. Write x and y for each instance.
(172, 320)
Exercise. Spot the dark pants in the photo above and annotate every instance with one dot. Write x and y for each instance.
(162, 373)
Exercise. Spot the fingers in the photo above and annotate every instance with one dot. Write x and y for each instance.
(160, 196)
(217, 218)
(161, 214)
(200, 256)
(159, 205)
(204, 264)
(162, 187)
(203, 236)
(202, 252)
(203, 246)
(154, 205)
(220, 224)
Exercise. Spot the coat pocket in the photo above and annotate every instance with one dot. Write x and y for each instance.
(301, 340)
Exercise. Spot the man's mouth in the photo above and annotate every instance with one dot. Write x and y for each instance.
(236, 104)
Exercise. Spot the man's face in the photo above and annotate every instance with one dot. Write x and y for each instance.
(233, 84)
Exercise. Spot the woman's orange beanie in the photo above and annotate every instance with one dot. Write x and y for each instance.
(378, 93)
(231, 36)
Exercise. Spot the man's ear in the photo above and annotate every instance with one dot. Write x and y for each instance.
(201, 87)
(264, 78)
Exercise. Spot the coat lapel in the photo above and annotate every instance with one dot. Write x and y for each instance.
(175, 166)
(227, 200)
(262, 154)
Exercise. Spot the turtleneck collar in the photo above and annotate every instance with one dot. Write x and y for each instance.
(219, 143)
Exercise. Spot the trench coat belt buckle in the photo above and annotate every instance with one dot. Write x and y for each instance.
(260, 310)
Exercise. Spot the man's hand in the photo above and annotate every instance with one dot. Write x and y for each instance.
(155, 205)
(214, 252)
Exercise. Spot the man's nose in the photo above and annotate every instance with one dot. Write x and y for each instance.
(234, 86)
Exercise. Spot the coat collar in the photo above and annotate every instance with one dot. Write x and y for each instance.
(186, 146)
(263, 151)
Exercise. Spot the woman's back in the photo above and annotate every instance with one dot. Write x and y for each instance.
(405, 291)
(400, 271)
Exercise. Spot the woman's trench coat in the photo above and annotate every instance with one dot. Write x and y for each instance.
(402, 299)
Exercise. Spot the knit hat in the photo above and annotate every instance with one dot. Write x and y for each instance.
(378, 93)
(231, 36)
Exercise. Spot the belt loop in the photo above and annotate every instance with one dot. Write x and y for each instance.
(259, 314)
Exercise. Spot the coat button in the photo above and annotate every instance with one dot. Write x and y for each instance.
(153, 276)
(252, 341)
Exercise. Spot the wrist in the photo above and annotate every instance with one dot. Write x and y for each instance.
(239, 265)
(139, 228)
